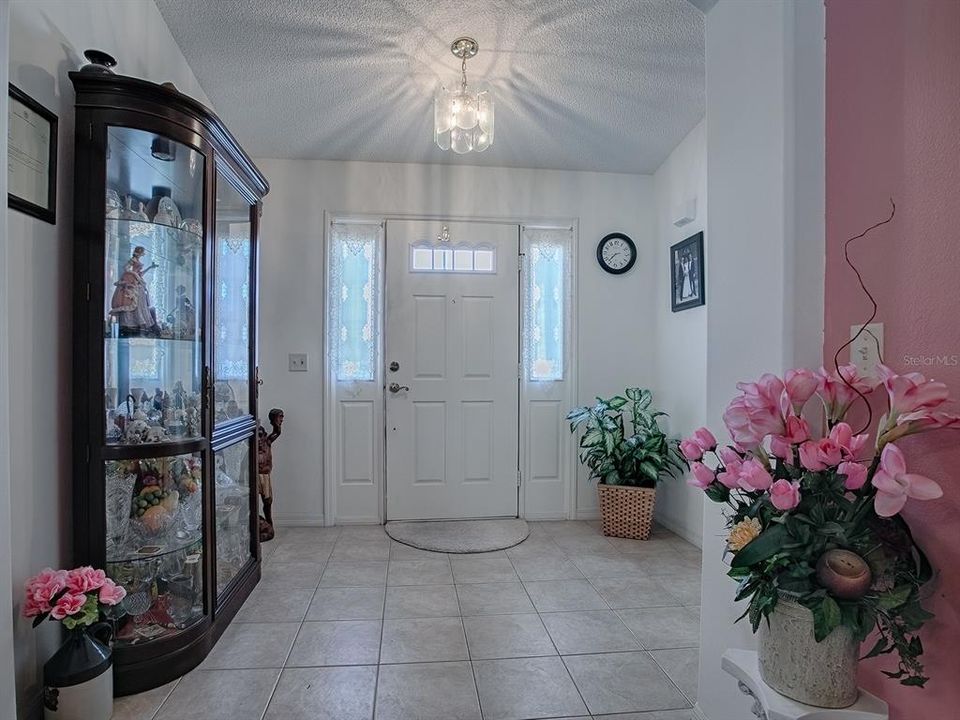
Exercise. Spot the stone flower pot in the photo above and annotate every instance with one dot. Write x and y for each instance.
(794, 664)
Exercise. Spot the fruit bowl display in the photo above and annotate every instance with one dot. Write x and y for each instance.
(162, 507)
(154, 510)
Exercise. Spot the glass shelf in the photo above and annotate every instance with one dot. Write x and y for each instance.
(154, 521)
(178, 542)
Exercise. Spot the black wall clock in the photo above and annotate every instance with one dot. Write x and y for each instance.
(616, 253)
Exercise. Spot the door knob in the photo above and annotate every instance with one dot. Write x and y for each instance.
(397, 387)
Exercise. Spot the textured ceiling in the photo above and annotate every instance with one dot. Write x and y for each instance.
(610, 85)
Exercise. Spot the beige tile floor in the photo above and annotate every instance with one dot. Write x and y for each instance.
(349, 625)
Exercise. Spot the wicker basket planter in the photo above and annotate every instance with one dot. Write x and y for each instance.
(626, 511)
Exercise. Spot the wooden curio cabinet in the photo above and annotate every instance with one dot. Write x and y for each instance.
(166, 207)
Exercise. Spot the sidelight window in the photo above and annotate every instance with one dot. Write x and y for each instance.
(354, 299)
(547, 292)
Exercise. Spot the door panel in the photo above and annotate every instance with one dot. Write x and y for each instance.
(452, 326)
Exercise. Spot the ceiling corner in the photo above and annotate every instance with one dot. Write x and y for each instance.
(703, 5)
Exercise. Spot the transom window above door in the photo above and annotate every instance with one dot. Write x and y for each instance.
(443, 258)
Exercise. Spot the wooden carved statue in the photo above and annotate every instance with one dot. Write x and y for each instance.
(264, 470)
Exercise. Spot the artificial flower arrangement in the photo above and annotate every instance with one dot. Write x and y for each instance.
(815, 516)
(74, 597)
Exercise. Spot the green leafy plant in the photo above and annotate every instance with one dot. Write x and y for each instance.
(622, 443)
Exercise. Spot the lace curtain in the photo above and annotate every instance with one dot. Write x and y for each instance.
(354, 299)
(546, 302)
(232, 308)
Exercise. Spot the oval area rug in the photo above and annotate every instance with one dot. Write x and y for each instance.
(459, 536)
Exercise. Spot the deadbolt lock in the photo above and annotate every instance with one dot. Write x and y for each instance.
(394, 366)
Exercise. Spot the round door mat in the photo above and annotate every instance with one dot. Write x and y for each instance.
(459, 536)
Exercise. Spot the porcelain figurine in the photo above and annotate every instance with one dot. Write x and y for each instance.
(131, 301)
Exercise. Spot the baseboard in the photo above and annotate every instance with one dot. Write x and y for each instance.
(362, 520)
(678, 529)
(698, 714)
(297, 520)
(534, 517)
(593, 514)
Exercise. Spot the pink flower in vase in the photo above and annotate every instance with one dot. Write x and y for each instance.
(702, 476)
(839, 390)
(84, 579)
(920, 421)
(691, 450)
(32, 608)
(730, 475)
(856, 474)
(785, 495)
(729, 456)
(911, 391)
(797, 430)
(705, 439)
(810, 457)
(111, 593)
(800, 385)
(68, 604)
(754, 477)
(43, 587)
(782, 448)
(850, 445)
(894, 484)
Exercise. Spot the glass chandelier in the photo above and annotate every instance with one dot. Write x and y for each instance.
(463, 116)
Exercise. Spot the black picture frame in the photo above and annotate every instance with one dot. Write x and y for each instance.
(48, 213)
(687, 274)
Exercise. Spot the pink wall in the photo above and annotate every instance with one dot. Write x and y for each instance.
(893, 130)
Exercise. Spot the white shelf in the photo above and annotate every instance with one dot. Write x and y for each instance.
(742, 664)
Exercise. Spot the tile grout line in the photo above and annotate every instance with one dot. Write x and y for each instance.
(457, 586)
(296, 636)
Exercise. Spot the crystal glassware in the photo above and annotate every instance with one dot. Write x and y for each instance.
(119, 491)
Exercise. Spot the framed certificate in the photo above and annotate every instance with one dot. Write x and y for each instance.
(31, 157)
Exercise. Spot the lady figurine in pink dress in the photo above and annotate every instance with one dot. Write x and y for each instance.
(131, 301)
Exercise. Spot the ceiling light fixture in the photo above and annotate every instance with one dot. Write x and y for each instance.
(463, 116)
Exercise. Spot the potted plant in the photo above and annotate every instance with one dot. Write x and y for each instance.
(816, 541)
(628, 454)
(78, 679)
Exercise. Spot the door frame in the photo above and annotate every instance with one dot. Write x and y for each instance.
(331, 439)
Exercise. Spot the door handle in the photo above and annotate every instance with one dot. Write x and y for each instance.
(397, 387)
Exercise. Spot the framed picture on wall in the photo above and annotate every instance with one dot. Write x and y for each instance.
(31, 157)
(687, 274)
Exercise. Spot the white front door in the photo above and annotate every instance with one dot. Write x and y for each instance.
(452, 356)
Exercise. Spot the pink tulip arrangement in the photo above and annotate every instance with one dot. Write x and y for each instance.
(795, 496)
(74, 597)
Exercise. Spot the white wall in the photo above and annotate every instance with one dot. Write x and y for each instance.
(764, 248)
(615, 324)
(680, 350)
(8, 695)
(47, 39)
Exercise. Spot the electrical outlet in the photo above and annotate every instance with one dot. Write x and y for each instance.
(866, 350)
(298, 362)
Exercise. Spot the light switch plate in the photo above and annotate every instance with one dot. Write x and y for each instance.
(866, 350)
(298, 362)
